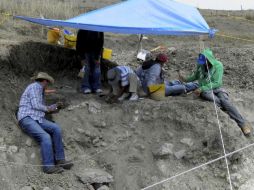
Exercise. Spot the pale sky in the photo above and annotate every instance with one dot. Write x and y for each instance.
(221, 4)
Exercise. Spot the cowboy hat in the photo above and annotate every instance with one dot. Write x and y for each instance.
(42, 75)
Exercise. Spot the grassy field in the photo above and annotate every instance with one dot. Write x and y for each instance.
(58, 9)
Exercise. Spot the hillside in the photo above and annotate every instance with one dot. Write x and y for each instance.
(130, 145)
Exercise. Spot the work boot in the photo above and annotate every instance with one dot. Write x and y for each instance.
(246, 129)
(53, 170)
(64, 164)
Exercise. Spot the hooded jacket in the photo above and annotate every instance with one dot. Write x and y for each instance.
(216, 73)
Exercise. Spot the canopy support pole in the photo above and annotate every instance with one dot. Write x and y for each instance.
(201, 44)
(140, 43)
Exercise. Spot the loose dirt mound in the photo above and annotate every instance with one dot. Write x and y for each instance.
(138, 143)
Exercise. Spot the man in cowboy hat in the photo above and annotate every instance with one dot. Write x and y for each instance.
(209, 74)
(31, 119)
(124, 83)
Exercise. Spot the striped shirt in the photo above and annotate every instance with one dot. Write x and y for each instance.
(125, 71)
(32, 103)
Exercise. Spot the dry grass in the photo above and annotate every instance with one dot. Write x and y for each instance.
(249, 16)
(57, 9)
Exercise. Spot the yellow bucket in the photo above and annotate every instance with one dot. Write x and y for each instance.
(53, 35)
(69, 39)
(157, 91)
(107, 53)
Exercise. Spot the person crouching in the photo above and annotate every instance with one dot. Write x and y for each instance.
(124, 83)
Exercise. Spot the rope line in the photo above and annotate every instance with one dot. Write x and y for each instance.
(241, 18)
(185, 172)
(200, 166)
(233, 37)
(197, 167)
(6, 17)
(75, 161)
(222, 141)
(219, 125)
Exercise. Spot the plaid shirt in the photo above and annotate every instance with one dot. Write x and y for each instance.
(32, 103)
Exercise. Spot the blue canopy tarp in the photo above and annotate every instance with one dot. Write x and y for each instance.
(159, 17)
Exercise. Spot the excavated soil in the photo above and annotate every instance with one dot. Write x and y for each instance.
(138, 143)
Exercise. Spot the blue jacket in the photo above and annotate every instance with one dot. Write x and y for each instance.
(150, 76)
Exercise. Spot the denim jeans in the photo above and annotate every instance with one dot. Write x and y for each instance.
(191, 86)
(48, 135)
(174, 88)
(222, 101)
(92, 77)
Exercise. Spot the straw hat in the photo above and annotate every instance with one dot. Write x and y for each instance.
(42, 75)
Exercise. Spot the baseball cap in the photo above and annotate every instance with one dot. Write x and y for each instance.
(201, 59)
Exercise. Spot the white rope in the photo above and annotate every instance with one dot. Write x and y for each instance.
(201, 44)
(197, 167)
(217, 115)
(185, 172)
(76, 161)
(221, 136)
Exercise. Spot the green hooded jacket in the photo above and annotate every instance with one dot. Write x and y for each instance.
(216, 72)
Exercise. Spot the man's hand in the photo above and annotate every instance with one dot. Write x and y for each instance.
(52, 108)
(60, 105)
(197, 92)
(181, 77)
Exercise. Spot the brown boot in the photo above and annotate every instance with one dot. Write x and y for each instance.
(246, 129)
(64, 164)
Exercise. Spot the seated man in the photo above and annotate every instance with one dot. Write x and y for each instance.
(31, 120)
(209, 74)
(151, 73)
(124, 83)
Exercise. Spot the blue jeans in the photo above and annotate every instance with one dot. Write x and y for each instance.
(174, 88)
(92, 77)
(222, 101)
(49, 136)
(191, 86)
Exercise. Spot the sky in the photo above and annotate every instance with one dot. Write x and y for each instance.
(221, 4)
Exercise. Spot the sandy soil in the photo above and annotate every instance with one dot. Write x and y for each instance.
(138, 143)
